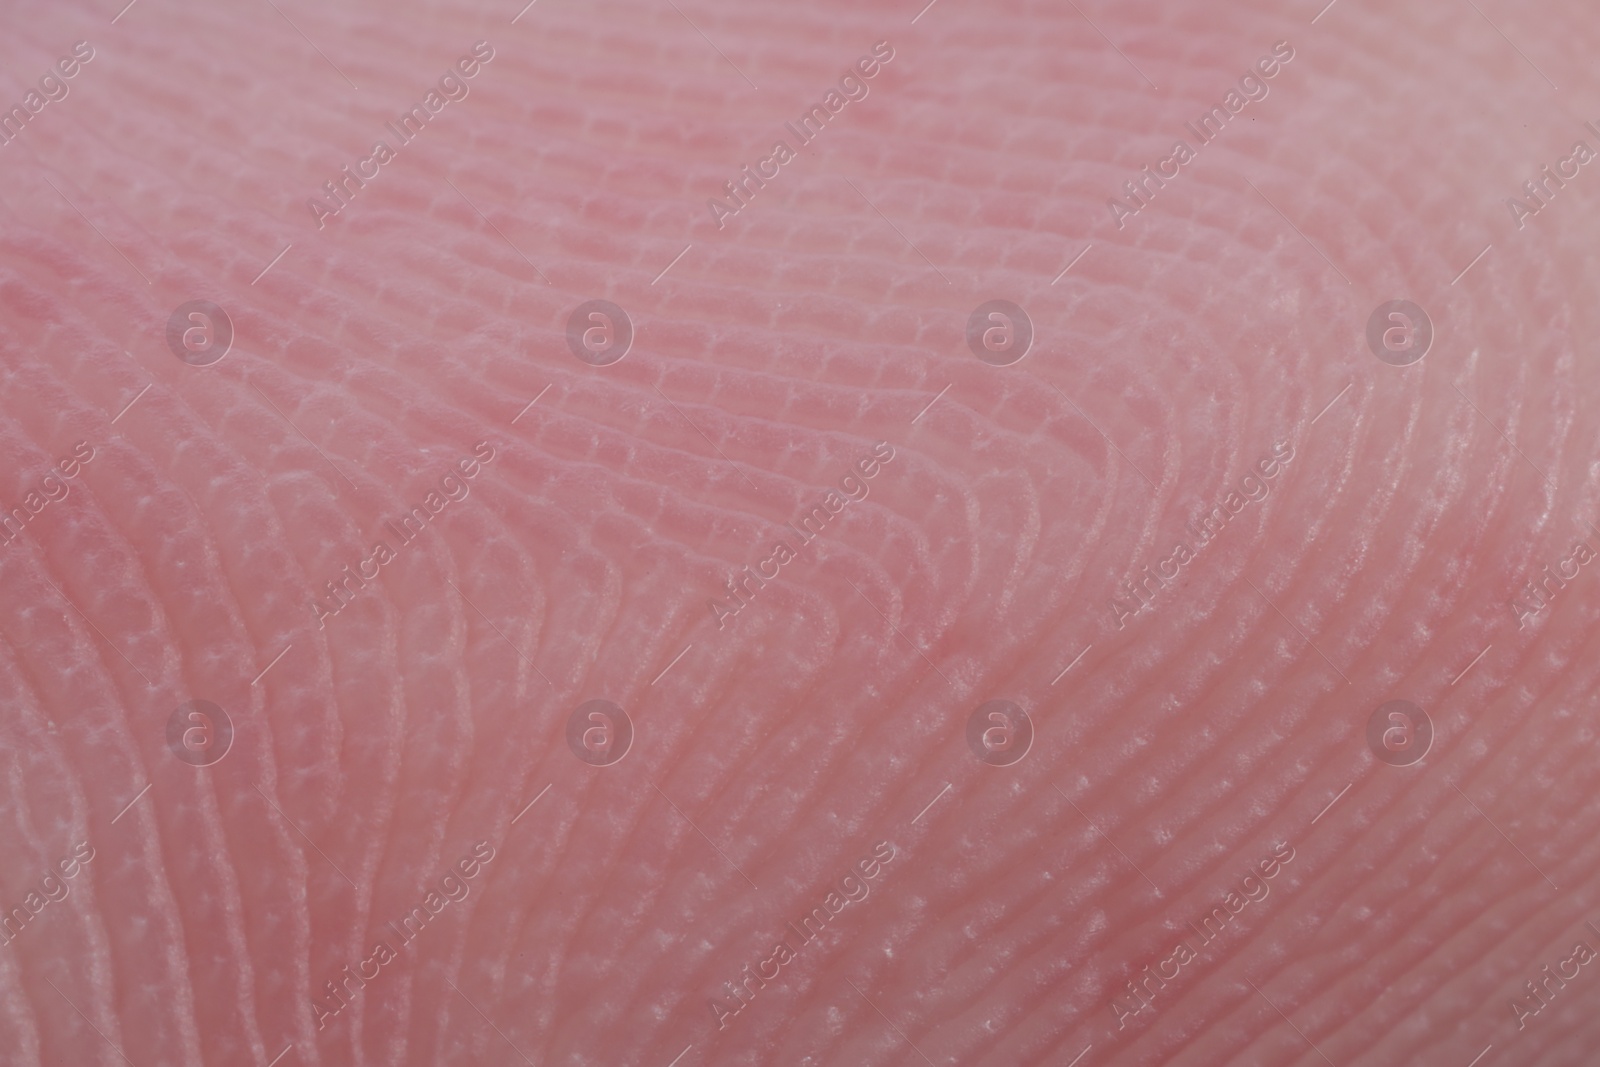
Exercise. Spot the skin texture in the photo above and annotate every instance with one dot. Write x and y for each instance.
(800, 740)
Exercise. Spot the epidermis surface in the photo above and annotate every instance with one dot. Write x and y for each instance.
(987, 533)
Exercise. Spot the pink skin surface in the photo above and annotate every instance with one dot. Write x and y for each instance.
(798, 510)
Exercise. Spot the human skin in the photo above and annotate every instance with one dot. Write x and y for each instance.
(790, 730)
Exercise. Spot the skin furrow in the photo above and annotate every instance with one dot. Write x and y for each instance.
(802, 533)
